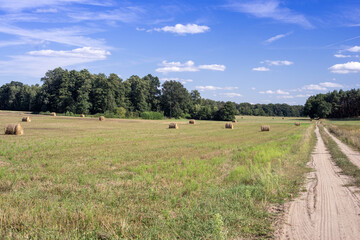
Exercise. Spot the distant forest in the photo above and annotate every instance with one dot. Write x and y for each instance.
(336, 104)
(78, 92)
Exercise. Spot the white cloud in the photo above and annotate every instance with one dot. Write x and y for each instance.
(277, 37)
(184, 29)
(18, 5)
(69, 36)
(339, 55)
(261, 69)
(46, 10)
(331, 85)
(188, 66)
(354, 49)
(285, 97)
(126, 15)
(270, 9)
(314, 87)
(349, 67)
(37, 63)
(253, 88)
(281, 92)
(215, 67)
(277, 63)
(232, 95)
(213, 88)
(85, 52)
(183, 81)
(267, 92)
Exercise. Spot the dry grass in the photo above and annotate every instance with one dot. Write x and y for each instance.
(142, 181)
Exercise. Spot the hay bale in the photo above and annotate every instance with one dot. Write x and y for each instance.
(283, 118)
(229, 125)
(101, 118)
(14, 129)
(26, 119)
(297, 124)
(173, 125)
(82, 115)
(234, 120)
(265, 128)
(241, 117)
(192, 121)
(53, 114)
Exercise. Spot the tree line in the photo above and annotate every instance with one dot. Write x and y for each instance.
(335, 104)
(78, 92)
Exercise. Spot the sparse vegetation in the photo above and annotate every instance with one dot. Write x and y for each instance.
(341, 159)
(347, 131)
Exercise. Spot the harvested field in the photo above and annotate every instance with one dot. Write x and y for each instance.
(136, 179)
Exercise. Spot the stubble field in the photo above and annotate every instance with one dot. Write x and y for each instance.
(79, 178)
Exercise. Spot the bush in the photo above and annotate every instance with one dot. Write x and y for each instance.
(152, 115)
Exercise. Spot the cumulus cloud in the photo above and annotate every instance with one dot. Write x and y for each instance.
(277, 37)
(213, 88)
(278, 62)
(37, 63)
(188, 66)
(85, 52)
(215, 67)
(314, 87)
(261, 69)
(182, 80)
(339, 55)
(280, 92)
(354, 49)
(331, 85)
(232, 95)
(349, 67)
(270, 9)
(184, 29)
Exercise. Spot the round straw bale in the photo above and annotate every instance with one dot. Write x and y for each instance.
(82, 115)
(101, 118)
(53, 114)
(229, 125)
(283, 118)
(265, 128)
(173, 125)
(26, 119)
(242, 117)
(297, 124)
(192, 121)
(14, 129)
(234, 120)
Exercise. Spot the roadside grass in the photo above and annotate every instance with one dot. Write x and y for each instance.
(341, 160)
(347, 131)
(79, 178)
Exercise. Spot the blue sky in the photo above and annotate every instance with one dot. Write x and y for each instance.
(238, 50)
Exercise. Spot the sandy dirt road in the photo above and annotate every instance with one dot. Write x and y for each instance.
(327, 209)
(352, 155)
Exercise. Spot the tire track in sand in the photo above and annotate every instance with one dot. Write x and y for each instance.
(327, 210)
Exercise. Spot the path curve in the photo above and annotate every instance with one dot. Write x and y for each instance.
(327, 210)
(352, 155)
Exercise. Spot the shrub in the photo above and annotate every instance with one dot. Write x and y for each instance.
(152, 115)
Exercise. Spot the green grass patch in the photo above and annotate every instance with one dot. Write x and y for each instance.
(341, 160)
